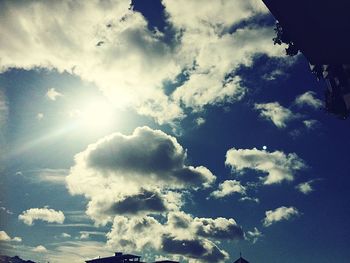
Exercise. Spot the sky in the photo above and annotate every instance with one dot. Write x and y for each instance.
(166, 129)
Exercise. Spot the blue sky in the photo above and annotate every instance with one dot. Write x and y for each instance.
(169, 130)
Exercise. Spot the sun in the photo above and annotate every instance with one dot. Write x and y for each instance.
(94, 115)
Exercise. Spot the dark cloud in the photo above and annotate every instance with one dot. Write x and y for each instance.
(181, 235)
(196, 248)
(220, 228)
(134, 174)
(144, 201)
(216, 228)
(147, 153)
(179, 220)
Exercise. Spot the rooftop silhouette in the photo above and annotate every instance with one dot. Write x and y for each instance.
(119, 257)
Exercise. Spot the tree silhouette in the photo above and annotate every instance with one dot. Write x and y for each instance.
(283, 37)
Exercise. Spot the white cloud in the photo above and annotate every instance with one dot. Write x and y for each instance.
(40, 249)
(132, 63)
(229, 187)
(43, 214)
(135, 233)
(17, 239)
(254, 235)
(200, 121)
(248, 198)
(52, 94)
(219, 228)
(273, 75)
(211, 15)
(279, 214)
(180, 235)
(216, 58)
(45, 175)
(210, 52)
(305, 187)
(54, 176)
(277, 165)
(276, 113)
(133, 174)
(129, 67)
(308, 99)
(182, 225)
(310, 124)
(5, 237)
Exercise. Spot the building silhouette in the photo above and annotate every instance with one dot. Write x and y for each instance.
(119, 257)
(241, 259)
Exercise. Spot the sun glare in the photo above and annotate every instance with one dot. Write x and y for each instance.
(94, 115)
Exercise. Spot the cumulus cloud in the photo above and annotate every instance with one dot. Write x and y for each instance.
(44, 214)
(308, 99)
(52, 94)
(279, 214)
(212, 81)
(133, 174)
(202, 249)
(305, 187)
(229, 187)
(17, 239)
(145, 200)
(275, 112)
(277, 165)
(135, 233)
(184, 225)
(6, 238)
(45, 175)
(39, 249)
(129, 67)
(147, 156)
(181, 235)
(219, 228)
(110, 44)
(207, 11)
